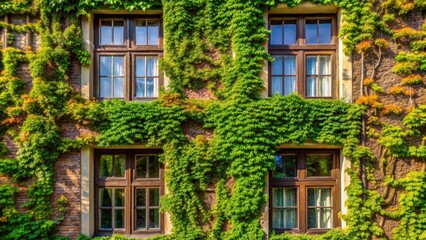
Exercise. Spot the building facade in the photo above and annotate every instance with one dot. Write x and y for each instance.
(113, 184)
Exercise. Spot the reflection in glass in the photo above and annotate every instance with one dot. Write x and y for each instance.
(290, 32)
(141, 169)
(119, 218)
(140, 218)
(119, 165)
(105, 66)
(105, 196)
(140, 66)
(277, 86)
(106, 217)
(154, 218)
(154, 167)
(277, 65)
(106, 33)
(311, 32)
(106, 166)
(147, 32)
(276, 33)
(153, 32)
(118, 32)
(118, 87)
(119, 197)
(141, 32)
(141, 197)
(105, 87)
(324, 29)
(154, 197)
(319, 165)
(285, 166)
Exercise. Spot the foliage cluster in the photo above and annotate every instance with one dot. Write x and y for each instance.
(219, 45)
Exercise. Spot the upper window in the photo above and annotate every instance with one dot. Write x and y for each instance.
(304, 50)
(127, 51)
(304, 188)
(128, 189)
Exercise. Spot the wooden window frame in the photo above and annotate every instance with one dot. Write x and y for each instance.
(301, 49)
(302, 182)
(129, 50)
(130, 183)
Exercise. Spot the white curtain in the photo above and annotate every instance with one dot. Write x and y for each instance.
(285, 216)
(320, 208)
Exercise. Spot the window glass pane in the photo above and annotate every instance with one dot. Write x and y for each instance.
(284, 197)
(290, 65)
(140, 66)
(278, 197)
(289, 85)
(319, 165)
(151, 66)
(154, 167)
(277, 85)
(311, 86)
(154, 218)
(320, 218)
(154, 197)
(105, 66)
(106, 33)
(119, 87)
(153, 32)
(141, 197)
(119, 198)
(150, 87)
(105, 168)
(141, 32)
(311, 65)
(105, 196)
(285, 166)
(311, 32)
(325, 31)
(119, 218)
(325, 84)
(141, 169)
(277, 65)
(324, 64)
(140, 218)
(276, 33)
(140, 87)
(106, 218)
(319, 197)
(284, 218)
(118, 66)
(290, 32)
(118, 32)
(278, 218)
(105, 86)
(119, 165)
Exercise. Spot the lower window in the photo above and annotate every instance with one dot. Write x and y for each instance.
(128, 189)
(304, 191)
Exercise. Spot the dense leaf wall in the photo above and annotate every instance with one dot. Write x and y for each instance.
(217, 45)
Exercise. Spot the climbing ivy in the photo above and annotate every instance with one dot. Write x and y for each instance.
(216, 45)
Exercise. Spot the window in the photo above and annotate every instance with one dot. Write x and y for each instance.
(128, 189)
(304, 49)
(127, 51)
(305, 191)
